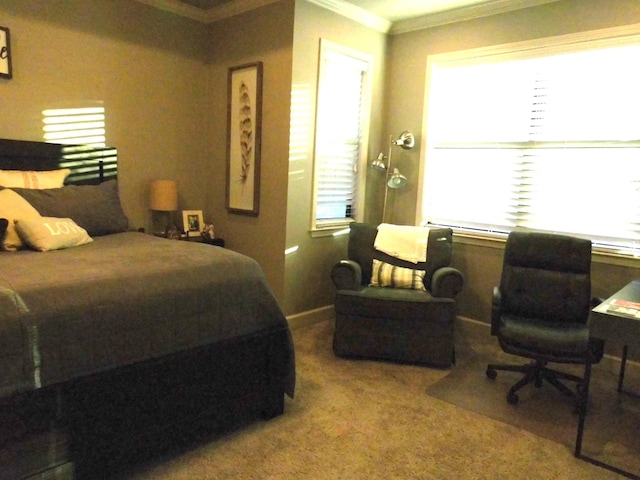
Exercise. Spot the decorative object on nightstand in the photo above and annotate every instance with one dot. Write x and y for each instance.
(208, 232)
(163, 198)
(192, 222)
(173, 233)
(208, 236)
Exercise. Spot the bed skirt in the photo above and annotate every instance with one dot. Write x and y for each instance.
(110, 421)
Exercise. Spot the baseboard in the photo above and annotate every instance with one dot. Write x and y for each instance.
(473, 321)
(61, 472)
(310, 317)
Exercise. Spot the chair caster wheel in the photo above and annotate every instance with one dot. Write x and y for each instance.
(491, 373)
(512, 398)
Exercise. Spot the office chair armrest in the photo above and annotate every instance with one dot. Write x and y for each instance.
(496, 310)
(446, 282)
(346, 275)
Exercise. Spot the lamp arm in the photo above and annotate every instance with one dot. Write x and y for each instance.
(386, 177)
(406, 141)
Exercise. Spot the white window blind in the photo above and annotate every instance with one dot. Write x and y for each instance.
(82, 130)
(551, 143)
(81, 126)
(342, 91)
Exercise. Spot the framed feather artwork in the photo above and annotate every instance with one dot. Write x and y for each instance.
(244, 119)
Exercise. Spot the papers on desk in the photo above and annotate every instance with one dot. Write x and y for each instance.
(624, 307)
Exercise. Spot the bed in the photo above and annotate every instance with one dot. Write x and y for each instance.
(116, 344)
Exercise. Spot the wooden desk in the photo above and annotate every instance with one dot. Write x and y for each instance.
(617, 320)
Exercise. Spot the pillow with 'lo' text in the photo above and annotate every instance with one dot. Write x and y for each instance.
(50, 233)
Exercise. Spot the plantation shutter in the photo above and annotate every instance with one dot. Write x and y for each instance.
(338, 137)
(551, 143)
(78, 126)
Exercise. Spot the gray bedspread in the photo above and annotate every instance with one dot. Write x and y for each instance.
(121, 299)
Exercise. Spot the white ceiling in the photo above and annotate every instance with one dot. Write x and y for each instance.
(394, 10)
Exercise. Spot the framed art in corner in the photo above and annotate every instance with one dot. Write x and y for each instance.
(244, 129)
(192, 222)
(5, 53)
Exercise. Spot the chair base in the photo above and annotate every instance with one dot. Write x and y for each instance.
(412, 340)
(536, 372)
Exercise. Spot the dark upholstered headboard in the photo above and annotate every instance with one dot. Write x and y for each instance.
(88, 164)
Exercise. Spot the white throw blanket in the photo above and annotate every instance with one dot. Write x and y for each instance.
(403, 241)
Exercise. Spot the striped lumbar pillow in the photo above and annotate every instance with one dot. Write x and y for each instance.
(387, 275)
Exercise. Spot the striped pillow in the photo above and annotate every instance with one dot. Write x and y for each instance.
(387, 275)
(33, 179)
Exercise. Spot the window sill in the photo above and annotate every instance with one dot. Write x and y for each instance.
(329, 232)
(599, 255)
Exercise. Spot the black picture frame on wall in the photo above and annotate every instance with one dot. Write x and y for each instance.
(5, 53)
(244, 134)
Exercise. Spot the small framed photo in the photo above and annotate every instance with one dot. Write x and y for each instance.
(192, 222)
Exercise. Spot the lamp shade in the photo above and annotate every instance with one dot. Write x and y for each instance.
(405, 140)
(396, 180)
(164, 195)
(378, 163)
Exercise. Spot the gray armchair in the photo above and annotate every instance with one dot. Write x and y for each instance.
(397, 324)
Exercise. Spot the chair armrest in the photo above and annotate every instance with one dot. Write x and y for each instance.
(346, 275)
(496, 310)
(446, 282)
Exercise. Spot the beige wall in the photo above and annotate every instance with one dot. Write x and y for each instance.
(481, 262)
(145, 66)
(162, 80)
(266, 35)
(307, 283)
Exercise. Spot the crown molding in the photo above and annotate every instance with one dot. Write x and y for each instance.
(179, 8)
(355, 13)
(236, 7)
(463, 14)
(211, 15)
(352, 12)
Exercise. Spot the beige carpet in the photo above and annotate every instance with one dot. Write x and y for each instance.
(354, 419)
(612, 423)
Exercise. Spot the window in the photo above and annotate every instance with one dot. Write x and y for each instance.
(79, 126)
(545, 138)
(82, 132)
(341, 131)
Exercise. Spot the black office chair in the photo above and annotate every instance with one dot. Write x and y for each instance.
(541, 309)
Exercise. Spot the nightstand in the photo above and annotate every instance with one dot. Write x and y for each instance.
(218, 242)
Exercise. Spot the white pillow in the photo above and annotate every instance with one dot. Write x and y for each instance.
(50, 233)
(33, 179)
(13, 206)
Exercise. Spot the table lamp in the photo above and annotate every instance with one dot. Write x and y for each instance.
(164, 198)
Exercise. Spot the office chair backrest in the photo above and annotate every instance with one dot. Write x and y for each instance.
(547, 276)
(361, 250)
